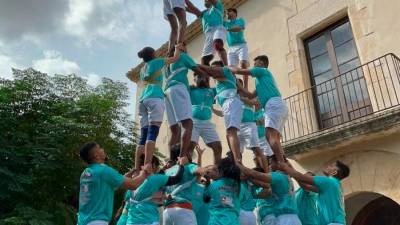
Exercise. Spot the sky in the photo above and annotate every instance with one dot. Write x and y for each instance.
(91, 38)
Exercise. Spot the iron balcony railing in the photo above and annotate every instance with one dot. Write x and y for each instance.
(366, 90)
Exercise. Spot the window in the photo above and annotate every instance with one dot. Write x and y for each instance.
(340, 89)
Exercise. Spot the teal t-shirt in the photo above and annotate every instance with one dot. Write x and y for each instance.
(235, 38)
(265, 84)
(213, 16)
(185, 194)
(223, 85)
(152, 74)
(247, 202)
(282, 191)
(179, 71)
(200, 208)
(307, 207)
(124, 215)
(202, 101)
(144, 210)
(259, 115)
(265, 206)
(224, 205)
(248, 114)
(96, 196)
(330, 200)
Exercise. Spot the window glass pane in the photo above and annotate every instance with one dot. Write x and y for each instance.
(349, 65)
(317, 46)
(341, 34)
(323, 77)
(345, 52)
(320, 64)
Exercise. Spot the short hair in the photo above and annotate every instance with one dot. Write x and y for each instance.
(218, 62)
(146, 54)
(343, 170)
(232, 10)
(263, 58)
(85, 151)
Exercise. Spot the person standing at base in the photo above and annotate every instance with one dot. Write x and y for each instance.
(275, 109)
(285, 208)
(330, 195)
(202, 97)
(307, 205)
(230, 103)
(97, 185)
(238, 53)
(215, 34)
(151, 101)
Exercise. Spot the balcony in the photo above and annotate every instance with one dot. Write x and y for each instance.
(364, 99)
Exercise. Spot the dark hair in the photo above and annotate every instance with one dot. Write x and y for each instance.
(343, 170)
(147, 54)
(232, 10)
(174, 153)
(240, 80)
(263, 58)
(85, 151)
(228, 169)
(218, 62)
(155, 161)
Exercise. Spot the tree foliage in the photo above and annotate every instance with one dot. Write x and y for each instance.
(44, 120)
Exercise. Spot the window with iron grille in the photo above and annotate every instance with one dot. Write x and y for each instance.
(340, 90)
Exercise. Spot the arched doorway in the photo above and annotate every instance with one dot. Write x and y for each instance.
(368, 208)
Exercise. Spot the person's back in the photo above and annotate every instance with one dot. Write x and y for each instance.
(330, 200)
(224, 204)
(307, 207)
(265, 209)
(200, 208)
(179, 71)
(97, 185)
(152, 74)
(181, 192)
(226, 88)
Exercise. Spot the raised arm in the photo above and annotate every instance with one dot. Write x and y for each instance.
(133, 183)
(247, 101)
(192, 8)
(177, 54)
(172, 180)
(215, 72)
(239, 71)
(263, 177)
(246, 93)
(301, 178)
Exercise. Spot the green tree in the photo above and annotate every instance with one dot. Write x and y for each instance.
(44, 120)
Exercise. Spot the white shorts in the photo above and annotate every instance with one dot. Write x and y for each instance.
(265, 147)
(238, 53)
(288, 219)
(178, 104)
(98, 222)
(214, 34)
(179, 216)
(248, 136)
(275, 113)
(269, 220)
(204, 129)
(247, 218)
(169, 6)
(232, 110)
(151, 110)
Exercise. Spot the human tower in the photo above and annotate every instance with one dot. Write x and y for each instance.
(226, 192)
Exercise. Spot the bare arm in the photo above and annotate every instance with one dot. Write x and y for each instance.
(133, 183)
(239, 71)
(264, 177)
(235, 29)
(301, 178)
(308, 187)
(216, 72)
(248, 101)
(260, 183)
(246, 93)
(192, 8)
(176, 56)
(199, 154)
(217, 112)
